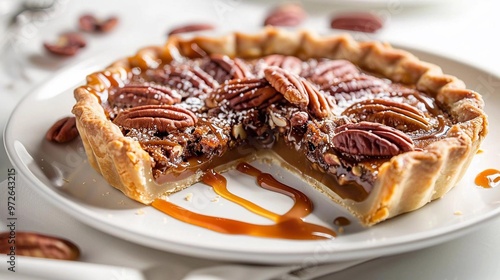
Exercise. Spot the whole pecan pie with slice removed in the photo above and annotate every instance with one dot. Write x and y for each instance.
(372, 127)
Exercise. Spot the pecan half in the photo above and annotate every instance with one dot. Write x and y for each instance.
(188, 80)
(353, 84)
(318, 104)
(68, 44)
(371, 140)
(350, 88)
(357, 21)
(236, 68)
(137, 95)
(90, 23)
(290, 85)
(160, 118)
(191, 28)
(286, 15)
(287, 62)
(38, 245)
(398, 115)
(243, 94)
(298, 91)
(62, 131)
(327, 71)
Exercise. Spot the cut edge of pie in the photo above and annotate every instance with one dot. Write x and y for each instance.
(404, 183)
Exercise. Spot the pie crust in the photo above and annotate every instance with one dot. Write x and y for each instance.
(404, 182)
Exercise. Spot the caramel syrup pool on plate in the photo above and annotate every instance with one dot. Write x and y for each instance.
(290, 225)
(488, 178)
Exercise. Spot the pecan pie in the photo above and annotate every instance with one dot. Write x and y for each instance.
(372, 127)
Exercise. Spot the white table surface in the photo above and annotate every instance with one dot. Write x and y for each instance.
(464, 29)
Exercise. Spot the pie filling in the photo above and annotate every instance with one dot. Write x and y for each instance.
(327, 119)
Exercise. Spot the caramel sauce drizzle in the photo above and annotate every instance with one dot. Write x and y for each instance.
(441, 131)
(290, 225)
(433, 109)
(488, 178)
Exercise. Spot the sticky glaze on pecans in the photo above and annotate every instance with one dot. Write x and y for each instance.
(367, 139)
(161, 118)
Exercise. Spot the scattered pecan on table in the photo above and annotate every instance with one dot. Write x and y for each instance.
(191, 28)
(68, 44)
(38, 245)
(289, 14)
(90, 23)
(357, 21)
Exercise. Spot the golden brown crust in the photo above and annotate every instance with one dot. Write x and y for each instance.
(405, 183)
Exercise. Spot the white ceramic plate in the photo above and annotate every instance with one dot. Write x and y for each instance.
(63, 176)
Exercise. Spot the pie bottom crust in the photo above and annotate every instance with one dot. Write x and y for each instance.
(404, 183)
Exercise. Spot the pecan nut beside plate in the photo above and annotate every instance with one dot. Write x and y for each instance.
(68, 44)
(357, 21)
(191, 28)
(38, 245)
(286, 15)
(90, 23)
